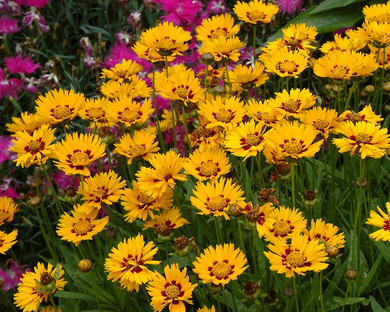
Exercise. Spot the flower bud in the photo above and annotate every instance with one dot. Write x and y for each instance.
(207, 58)
(85, 265)
(362, 184)
(183, 245)
(34, 201)
(288, 292)
(369, 88)
(251, 290)
(386, 87)
(351, 274)
(309, 198)
(332, 251)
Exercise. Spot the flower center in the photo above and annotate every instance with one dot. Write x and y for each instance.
(221, 269)
(340, 71)
(217, 32)
(296, 259)
(61, 112)
(46, 278)
(217, 203)
(224, 116)
(363, 138)
(82, 227)
(255, 16)
(282, 228)
(293, 147)
(163, 229)
(96, 113)
(208, 169)
(181, 92)
(287, 67)
(35, 146)
(101, 193)
(130, 115)
(321, 124)
(291, 105)
(172, 291)
(355, 117)
(252, 140)
(3, 215)
(79, 159)
(137, 150)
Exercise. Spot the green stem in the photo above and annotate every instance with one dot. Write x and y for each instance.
(293, 183)
(254, 45)
(205, 83)
(94, 286)
(160, 137)
(186, 128)
(224, 298)
(346, 297)
(228, 79)
(295, 293)
(9, 301)
(321, 294)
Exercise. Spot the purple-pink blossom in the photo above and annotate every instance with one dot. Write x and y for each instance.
(8, 25)
(20, 65)
(180, 12)
(290, 6)
(12, 276)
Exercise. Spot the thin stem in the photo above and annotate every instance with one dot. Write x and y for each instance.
(293, 183)
(321, 294)
(160, 137)
(172, 108)
(205, 83)
(346, 296)
(295, 294)
(254, 45)
(224, 298)
(228, 79)
(9, 301)
(186, 128)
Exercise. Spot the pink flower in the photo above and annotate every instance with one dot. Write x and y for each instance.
(135, 18)
(20, 65)
(217, 7)
(34, 15)
(10, 7)
(290, 6)
(64, 181)
(9, 87)
(12, 276)
(5, 144)
(180, 12)
(8, 26)
(33, 3)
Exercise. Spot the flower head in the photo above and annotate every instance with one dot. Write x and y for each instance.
(7, 240)
(222, 48)
(7, 209)
(166, 222)
(326, 233)
(122, 72)
(20, 65)
(380, 220)
(256, 11)
(322, 119)
(286, 63)
(215, 26)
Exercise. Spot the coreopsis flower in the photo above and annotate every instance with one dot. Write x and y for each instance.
(122, 72)
(139, 205)
(214, 198)
(326, 233)
(50, 309)
(247, 139)
(293, 103)
(322, 119)
(7, 240)
(255, 11)
(206, 309)
(35, 148)
(263, 112)
(208, 164)
(166, 170)
(297, 257)
(26, 122)
(203, 137)
(377, 13)
(114, 89)
(273, 153)
(128, 112)
(244, 77)
(366, 115)
(299, 34)
(381, 221)
(59, 106)
(343, 44)
(222, 111)
(283, 223)
(295, 140)
(77, 152)
(262, 213)
(129, 262)
(375, 33)
(150, 54)
(285, 63)
(172, 290)
(182, 86)
(20, 65)
(80, 226)
(382, 59)
(215, 26)
(104, 187)
(222, 48)
(166, 39)
(95, 110)
(142, 144)
(7, 209)
(364, 139)
(36, 286)
(220, 265)
(166, 222)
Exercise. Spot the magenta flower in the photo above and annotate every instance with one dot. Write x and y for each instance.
(64, 181)
(180, 12)
(5, 144)
(33, 3)
(290, 6)
(12, 276)
(8, 26)
(20, 65)
(217, 7)
(10, 7)
(9, 87)
(7, 187)
(34, 15)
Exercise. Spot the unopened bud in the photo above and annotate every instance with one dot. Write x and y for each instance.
(369, 88)
(34, 201)
(351, 274)
(85, 265)
(332, 251)
(386, 87)
(362, 184)
(251, 290)
(183, 245)
(207, 58)
(288, 291)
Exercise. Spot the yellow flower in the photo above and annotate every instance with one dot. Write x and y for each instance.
(150, 54)
(283, 223)
(264, 111)
(95, 110)
(136, 88)
(166, 39)
(300, 37)
(141, 206)
(255, 11)
(50, 309)
(203, 137)
(122, 72)
(7, 209)
(220, 265)
(35, 148)
(295, 140)
(263, 212)
(36, 286)
(247, 139)
(366, 115)
(222, 112)
(142, 144)
(365, 139)
(285, 63)
(80, 226)
(377, 13)
(104, 187)
(27, 122)
(182, 86)
(293, 103)
(166, 222)
(244, 78)
(222, 48)
(173, 290)
(326, 233)
(379, 57)
(166, 169)
(375, 33)
(129, 112)
(381, 221)
(215, 197)
(7, 240)
(322, 119)
(59, 106)
(215, 26)
(129, 262)
(343, 44)
(300, 256)
(77, 152)
(206, 309)
(208, 164)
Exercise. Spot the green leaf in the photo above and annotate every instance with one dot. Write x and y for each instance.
(370, 275)
(74, 295)
(375, 305)
(332, 4)
(384, 249)
(337, 302)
